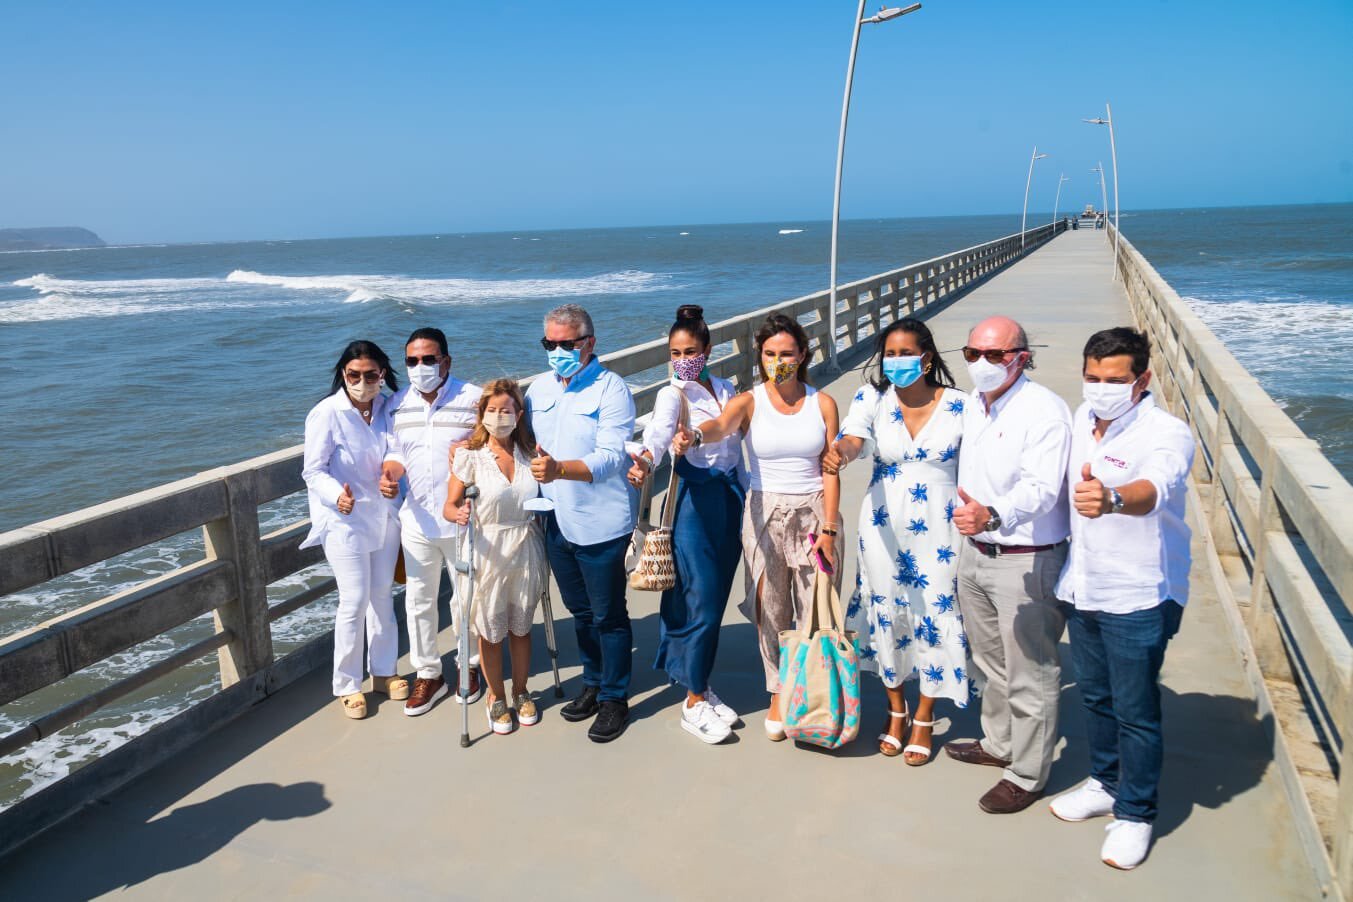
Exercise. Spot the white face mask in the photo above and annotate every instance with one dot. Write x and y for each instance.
(363, 391)
(425, 378)
(987, 376)
(500, 423)
(1108, 400)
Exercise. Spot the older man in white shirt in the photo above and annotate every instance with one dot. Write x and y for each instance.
(427, 417)
(1012, 489)
(1128, 577)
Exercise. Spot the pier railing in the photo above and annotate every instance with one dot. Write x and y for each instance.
(240, 562)
(1279, 521)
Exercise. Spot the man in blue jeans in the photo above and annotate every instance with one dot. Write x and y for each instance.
(1127, 575)
(582, 415)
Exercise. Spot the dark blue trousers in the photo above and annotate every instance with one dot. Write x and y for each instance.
(591, 580)
(706, 547)
(1117, 659)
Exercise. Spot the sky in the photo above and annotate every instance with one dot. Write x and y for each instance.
(200, 122)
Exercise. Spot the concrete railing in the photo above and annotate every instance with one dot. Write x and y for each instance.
(1279, 524)
(231, 582)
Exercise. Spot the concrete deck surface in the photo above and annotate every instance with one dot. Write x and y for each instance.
(293, 800)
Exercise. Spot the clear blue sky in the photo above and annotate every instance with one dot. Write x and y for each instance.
(179, 122)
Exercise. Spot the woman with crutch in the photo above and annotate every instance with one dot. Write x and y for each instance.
(708, 511)
(508, 552)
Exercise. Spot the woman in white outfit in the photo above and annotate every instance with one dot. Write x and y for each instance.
(509, 550)
(345, 441)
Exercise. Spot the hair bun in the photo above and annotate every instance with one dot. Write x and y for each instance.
(688, 312)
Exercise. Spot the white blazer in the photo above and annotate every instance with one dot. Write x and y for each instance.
(340, 448)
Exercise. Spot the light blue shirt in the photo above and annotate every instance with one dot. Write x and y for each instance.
(590, 419)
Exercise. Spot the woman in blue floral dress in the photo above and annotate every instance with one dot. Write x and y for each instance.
(904, 609)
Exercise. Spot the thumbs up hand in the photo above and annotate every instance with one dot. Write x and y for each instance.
(545, 468)
(1091, 499)
(639, 472)
(832, 458)
(971, 516)
(681, 442)
(346, 500)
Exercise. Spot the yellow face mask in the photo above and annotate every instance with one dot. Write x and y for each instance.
(779, 370)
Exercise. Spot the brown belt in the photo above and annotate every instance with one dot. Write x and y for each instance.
(990, 549)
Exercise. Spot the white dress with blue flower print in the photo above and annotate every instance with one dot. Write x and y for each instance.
(904, 610)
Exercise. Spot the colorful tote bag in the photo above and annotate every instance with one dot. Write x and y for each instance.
(820, 674)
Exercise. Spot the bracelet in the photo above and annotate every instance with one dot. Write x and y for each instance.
(827, 531)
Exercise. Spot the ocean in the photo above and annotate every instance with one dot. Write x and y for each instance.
(145, 364)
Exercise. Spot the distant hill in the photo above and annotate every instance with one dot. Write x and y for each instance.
(53, 238)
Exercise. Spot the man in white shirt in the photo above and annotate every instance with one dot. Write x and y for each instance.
(1013, 511)
(1128, 577)
(428, 416)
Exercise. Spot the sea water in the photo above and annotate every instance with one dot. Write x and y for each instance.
(130, 367)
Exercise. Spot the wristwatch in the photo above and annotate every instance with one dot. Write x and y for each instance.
(1115, 502)
(994, 523)
(697, 437)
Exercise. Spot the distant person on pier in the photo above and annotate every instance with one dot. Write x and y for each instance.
(427, 419)
(709, 501)
(1128, 577)
(509, 549)
(345, 443)
(792, 517)
(910, 416)
(582, 415)
(1012, 508)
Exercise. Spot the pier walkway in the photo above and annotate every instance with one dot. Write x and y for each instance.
(291, 799)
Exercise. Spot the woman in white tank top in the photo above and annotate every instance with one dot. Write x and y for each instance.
(787, 423)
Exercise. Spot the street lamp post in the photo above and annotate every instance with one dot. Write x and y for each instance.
(1103, 192)
(883, 15)
(1113, 152)
(1027, 182)
(1061, 179)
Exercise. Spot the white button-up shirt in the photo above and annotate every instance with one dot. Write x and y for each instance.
(421, 438)
(1014, 459)
(1119, 563)
(725, 454)
(341, 449)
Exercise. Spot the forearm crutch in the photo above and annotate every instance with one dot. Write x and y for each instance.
(550, 644)
(465, 566)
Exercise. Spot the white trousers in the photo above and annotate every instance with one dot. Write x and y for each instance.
(365, 610)
(423, 560)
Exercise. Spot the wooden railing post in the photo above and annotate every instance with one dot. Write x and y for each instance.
(235, 538)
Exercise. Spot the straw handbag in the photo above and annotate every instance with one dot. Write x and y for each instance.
(820, 674)
(653, 566)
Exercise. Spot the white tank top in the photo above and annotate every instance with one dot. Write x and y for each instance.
(784, 451)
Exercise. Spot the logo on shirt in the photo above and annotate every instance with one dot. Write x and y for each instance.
(1120, 464)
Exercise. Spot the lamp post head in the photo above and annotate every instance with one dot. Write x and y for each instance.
(1041, 156)
(1096, 121)
(890, 12)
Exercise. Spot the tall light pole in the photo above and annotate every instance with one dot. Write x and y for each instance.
(1113, 151)
(1103, 192)
(1060, 180)
(883, 15)
(1027, 182)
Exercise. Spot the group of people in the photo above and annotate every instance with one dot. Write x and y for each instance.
(992, 519)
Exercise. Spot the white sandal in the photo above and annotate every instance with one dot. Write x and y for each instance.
(920, 749)
(892, 741)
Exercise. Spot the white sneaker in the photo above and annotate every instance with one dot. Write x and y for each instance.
(1126, 845)
(722, 711)
(1088, 800)
(701, 722)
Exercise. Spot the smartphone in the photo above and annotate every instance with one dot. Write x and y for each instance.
(822, 563)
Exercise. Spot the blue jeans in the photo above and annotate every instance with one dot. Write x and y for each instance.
(592, 583)
(1117, 659)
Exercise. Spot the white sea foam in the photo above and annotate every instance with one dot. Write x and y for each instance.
(1266, 336)
(362, 288)
(790, 231)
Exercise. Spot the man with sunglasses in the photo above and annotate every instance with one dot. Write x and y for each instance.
(432, 413)
(582, 414)
(1012, 507)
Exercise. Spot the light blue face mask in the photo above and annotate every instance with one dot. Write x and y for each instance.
(565, 363)
(902, 371)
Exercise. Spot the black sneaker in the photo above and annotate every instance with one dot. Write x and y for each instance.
(610, 722)
(582, 707)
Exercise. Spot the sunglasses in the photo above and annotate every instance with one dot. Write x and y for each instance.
(370, 377)
(993, 355)
(425, 360)
(568, 344)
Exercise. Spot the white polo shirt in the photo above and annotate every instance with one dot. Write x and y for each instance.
(421, 435)
(1014, 459)
(1119, 563)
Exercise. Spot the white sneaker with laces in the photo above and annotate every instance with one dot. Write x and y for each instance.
(701, 722)
(1088, 800)
(721, 710)
(1126, 845)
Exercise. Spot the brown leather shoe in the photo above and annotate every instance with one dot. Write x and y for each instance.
(970, 751)
(1007, 798)
(425, 694)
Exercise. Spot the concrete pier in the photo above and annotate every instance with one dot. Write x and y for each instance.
(294, 800)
